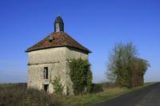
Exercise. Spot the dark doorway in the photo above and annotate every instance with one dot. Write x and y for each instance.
(46, 87)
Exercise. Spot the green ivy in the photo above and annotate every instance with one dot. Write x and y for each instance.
(58, 88)
(81, 75)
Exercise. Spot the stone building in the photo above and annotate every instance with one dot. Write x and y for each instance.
(49, 59)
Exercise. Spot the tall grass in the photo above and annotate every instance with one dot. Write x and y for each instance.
(19, 95)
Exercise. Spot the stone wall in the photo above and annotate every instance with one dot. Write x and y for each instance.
(56, 59)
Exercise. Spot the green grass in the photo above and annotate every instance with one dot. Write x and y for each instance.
(19, 95)
(85, 100)
(89, 99)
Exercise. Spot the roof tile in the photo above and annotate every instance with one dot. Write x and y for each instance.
(58, 39)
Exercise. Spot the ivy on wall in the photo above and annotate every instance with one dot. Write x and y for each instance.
(80, 75)
(58, 87)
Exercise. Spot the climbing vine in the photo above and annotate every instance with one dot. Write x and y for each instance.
(80, 75)
(58, 87)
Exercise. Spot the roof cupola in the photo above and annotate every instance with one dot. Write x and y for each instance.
(58, 25)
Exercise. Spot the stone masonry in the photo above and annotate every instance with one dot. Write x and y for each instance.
(49, 59)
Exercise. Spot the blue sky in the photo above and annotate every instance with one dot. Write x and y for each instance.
(97, 24)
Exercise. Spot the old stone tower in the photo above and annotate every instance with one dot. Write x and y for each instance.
(49, 59)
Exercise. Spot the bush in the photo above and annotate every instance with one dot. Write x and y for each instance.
(97, 88)
(80, 75)
(58, 88)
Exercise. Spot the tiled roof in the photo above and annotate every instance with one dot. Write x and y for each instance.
(58, 39)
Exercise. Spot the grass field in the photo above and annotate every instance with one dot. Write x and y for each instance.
(89, 99)
(19, 95)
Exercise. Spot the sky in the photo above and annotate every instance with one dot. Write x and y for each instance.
(97, 24)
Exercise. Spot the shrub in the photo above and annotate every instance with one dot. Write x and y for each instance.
(58, 88)
(81, 76)
(97, 88)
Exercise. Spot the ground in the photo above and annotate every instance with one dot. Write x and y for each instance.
(18, 94)
(148, 96)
